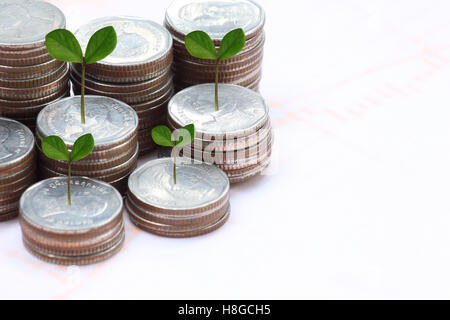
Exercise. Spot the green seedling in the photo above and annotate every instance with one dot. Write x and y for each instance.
(164, 137)
(55, 148)
(200, 45)
(62, 45)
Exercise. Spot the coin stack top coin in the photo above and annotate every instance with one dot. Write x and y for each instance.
(197, 204)
(17, 165)
(217, 18)
(238, 138)
(112, 123)
(137, 72)
(89, 230)
(29, 77)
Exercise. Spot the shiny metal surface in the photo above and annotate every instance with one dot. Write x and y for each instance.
(198, 185)
(108, 120)
(94, 204)
(215, 17)
(16, 142)
(241, 110)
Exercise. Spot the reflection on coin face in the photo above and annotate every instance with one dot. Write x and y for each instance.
(107, 119)
(214, 17)
(198, 185)
(94, 203)
(138, 40)
(25, 22)
(240, 109)
(16, 141)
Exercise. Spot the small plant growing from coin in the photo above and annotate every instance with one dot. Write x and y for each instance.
(200, 45)
(164, 137)
(62, 45)
(55, 148)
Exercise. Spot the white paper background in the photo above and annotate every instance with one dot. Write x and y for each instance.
(357, 205)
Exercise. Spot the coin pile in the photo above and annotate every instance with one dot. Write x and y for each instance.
(89, 230)
(17, 165)
(217, 18)
(137, 72)
(112, 123)
(237, 138)
(197, 204)
(29, 77)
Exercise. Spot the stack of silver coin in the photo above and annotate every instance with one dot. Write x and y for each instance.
(137, 72)
(197, 204)
(89, 230)
(17, 165)
(217, 18)
(29, 77)
(114, 126)
(238, 138)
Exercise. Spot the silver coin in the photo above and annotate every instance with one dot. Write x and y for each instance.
(241, 110)
(198, 185)
(16, 142)
(139, 41)
(216, 18)
(255, 171)
(94, 204)
(24, 23)
(108, 120)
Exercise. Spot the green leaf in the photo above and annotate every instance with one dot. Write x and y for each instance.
(55, 148)
(162, 136)
(200, 45)
(187, 132)
(62, 45)
(101, 44)
(82, 147)
(231, 44)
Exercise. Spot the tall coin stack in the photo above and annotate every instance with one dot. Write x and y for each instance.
(197, 204)
(29, 77)
(112, 123)
(17, 165)
(217, 18)
(238, 138)
(137, 72)
(89, 230)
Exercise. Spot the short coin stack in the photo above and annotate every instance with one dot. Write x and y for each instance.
(197, 204)
(29, 77)
(17, 165)
(89, 230)
(113, 125)
(237, 138)
(137, 72)
(217, 18)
